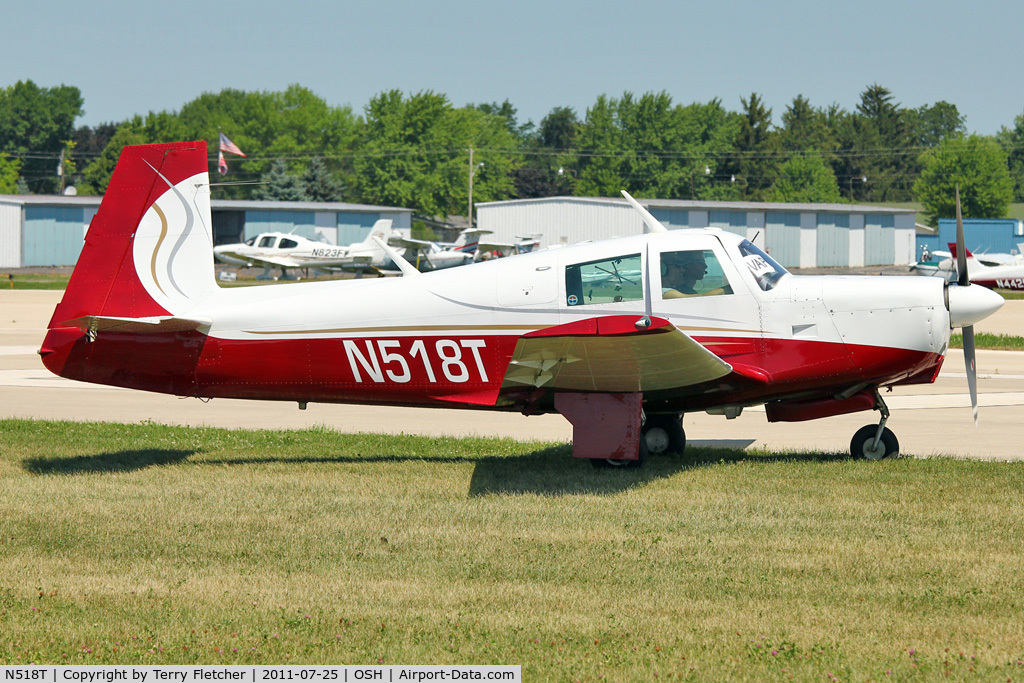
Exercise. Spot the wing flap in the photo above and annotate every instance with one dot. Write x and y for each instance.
(611, 354)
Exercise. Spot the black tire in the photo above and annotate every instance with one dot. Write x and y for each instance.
(888, 445)
(664, 434)
(622, 463)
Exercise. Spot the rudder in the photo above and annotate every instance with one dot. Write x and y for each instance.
(144, 251)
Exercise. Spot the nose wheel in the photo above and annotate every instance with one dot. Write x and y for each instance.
(875, 442)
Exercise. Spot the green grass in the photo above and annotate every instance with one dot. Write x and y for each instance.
(35, 281)
(147, 544)
(984, 340)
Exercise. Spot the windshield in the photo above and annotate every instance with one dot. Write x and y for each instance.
(762, 266)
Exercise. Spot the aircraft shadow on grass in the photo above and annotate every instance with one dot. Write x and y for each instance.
(550, 471)
(553, 472)
(102, 463)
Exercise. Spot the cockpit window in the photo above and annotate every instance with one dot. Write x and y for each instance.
(694, 272)
(762, 266)
(268, 241)
(286, 243)
(605, 281)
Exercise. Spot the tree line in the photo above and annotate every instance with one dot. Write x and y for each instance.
(413, 150)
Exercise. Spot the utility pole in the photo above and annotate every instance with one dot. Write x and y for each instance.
(60, 172)
(472, 172)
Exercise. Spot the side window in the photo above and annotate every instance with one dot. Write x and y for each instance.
(287, 243)
(267, 241)
(605, 281)
(694, 272)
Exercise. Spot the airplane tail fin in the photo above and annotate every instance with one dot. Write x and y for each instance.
(381, 229)
(952, 250)
(148, 251)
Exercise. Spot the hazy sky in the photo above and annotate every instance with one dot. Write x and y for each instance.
(135, 57)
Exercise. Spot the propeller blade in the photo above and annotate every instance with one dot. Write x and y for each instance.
(972, 375)
(961, 251)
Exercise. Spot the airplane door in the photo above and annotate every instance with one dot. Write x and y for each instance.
(698, 286)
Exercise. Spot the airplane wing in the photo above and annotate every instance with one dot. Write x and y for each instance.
(400, 242)
(611, 354)
(503, 247)
(265, 261)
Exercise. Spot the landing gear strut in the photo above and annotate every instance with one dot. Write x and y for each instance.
(875, 442)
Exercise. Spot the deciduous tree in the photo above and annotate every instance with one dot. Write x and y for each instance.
(38, 121)
(978, 166)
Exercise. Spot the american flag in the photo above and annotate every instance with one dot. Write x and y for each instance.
(228, 146)
(222, 165)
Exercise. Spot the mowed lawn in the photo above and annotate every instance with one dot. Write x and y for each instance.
(150, 544)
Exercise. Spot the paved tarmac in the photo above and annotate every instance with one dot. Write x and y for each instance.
(928, 419)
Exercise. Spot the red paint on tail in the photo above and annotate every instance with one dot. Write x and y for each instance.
(104, 281)
(952, 250)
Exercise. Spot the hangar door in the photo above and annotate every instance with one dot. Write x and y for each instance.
(782, 237)
(301, 223)
(879, 240)
(53, 235)
(833, 239)
(729, 221)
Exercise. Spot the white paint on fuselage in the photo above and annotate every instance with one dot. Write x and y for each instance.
(897, 312)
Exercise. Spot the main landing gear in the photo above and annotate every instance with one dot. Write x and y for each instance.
(664, 434)
(659, 435)
(875, 442)
(611, 430)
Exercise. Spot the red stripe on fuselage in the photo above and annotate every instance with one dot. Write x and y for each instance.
(419, 370)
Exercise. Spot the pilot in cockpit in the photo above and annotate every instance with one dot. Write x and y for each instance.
(681, 271)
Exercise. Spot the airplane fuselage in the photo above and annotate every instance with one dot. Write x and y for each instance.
(448, 337)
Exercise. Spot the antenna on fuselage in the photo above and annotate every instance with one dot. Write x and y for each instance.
(407, 268)
(653, 224)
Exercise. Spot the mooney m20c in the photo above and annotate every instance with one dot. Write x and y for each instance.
(622, 336)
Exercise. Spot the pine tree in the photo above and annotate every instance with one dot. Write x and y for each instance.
(279, 185)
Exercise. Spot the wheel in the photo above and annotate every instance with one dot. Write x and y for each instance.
(622, 463)
(860, 447)
(664, 434)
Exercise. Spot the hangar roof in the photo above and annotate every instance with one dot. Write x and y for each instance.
(237, 204)
(699, 205)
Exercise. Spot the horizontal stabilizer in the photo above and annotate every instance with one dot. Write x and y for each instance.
(157, 324)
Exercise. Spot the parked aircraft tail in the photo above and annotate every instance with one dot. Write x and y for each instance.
(381, 229)
(148, 249)
(952, 250)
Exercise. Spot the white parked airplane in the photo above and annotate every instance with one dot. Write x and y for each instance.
(995, 271)
(468, 248)
(284, 251)
(709, 322)
(427, 255)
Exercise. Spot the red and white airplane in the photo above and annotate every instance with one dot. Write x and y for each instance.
(621, 336)
(995, 271)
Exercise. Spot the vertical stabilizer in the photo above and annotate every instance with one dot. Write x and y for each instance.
(148, 251)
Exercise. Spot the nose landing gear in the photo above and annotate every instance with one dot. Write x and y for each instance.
(875, 442)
